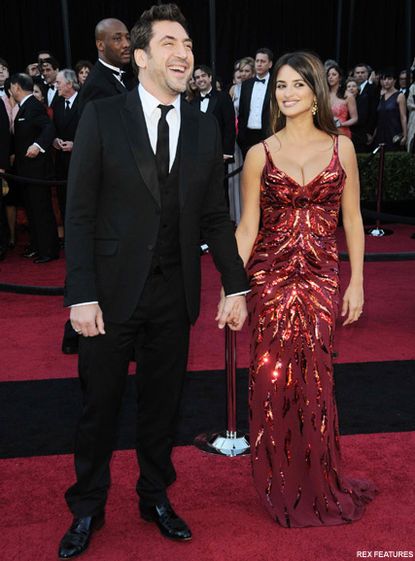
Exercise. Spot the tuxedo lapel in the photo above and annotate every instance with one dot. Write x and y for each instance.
(189, 135)
(135, 125)
(212, 102)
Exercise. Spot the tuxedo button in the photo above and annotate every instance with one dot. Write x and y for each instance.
(150, 247)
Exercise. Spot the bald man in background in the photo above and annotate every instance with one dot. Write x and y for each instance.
(106, 79)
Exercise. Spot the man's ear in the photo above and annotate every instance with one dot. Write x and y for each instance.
(140, 57)
(100, 45)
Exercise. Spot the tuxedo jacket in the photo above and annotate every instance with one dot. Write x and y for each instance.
(100, 83)
(244, 108)
(114, 207)
(221, 106)
(65, 126)
(367, 102)
(32, 124)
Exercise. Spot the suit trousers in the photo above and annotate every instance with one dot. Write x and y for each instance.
(159, 332)
(41, 219)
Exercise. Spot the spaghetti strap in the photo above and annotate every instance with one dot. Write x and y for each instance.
(267, 152)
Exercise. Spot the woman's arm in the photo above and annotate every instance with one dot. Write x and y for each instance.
(352, 108)
(247, 230)
(353, 227)
(402, 113)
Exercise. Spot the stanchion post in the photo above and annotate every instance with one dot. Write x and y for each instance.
(377, 231)
(230, 442)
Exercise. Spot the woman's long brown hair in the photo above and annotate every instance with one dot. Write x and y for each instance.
(311, 69)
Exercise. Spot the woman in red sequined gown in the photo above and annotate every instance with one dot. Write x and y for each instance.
(294, 184)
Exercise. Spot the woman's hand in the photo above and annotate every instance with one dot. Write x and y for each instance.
(352, 303)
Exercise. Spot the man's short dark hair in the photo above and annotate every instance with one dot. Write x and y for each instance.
(266, 51)
(142, 32)
(23, 80)
(362, 64)
(4, 63)
(204, 68)
(52, 61)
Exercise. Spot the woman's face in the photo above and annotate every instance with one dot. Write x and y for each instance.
(83, 74)
(237, 76)
(388, 83)
(352, 88)
(294, 96)
(333, 77)
(37, 92)
(246, 72)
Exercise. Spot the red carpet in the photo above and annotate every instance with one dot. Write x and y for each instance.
(32, 327)
(216, 497)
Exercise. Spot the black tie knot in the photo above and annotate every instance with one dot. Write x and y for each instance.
(51, 86)
(262, 80)
(207, 96)
(164, 110)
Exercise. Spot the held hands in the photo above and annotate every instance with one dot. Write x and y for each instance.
(87, 320)
(232, 311)
(352, 303)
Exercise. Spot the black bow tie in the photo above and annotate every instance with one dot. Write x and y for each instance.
(118, 74)
(51, 87)
(1, 88)
(262, 80)
(206, 96)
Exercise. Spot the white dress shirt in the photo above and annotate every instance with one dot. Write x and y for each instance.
(204, 101)
(71, 100)
(257, 102)
(152, 114)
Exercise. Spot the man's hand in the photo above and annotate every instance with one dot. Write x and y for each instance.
(67, 146)
(32, 151)
(232, 311)
(57, 143)
(87, 320)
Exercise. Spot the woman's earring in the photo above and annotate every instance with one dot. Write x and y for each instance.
(314, 107)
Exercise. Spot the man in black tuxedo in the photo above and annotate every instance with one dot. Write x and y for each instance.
(107, 78)
(209, 100)
(254, 104)
(50, 70)
(367, 102)
(65, 119)
(33, 136)
(145, 179)
(4, 164)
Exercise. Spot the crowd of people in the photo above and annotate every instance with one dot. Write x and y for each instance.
(369, 107)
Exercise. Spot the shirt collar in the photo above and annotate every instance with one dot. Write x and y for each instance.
(363, 84)
(266, 77)
(113, 68)
(202, 95)
(24, 99)
(151, 103)
(71, 99)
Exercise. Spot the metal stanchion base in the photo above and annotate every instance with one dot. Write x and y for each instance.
(225, 443)
(378, 232)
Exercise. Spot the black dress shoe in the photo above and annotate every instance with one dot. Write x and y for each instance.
(44, 259)
(77, 538)
(29, 253)
(170, 525)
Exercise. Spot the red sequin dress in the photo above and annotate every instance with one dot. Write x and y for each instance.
(292, 305)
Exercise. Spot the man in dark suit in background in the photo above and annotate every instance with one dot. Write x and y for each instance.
(209, 100)
(33, 136)
(4, 164)
(146, 177)
(65, 119)
(50, 69)
(107, 78)
(253, 119)
(367, 102)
